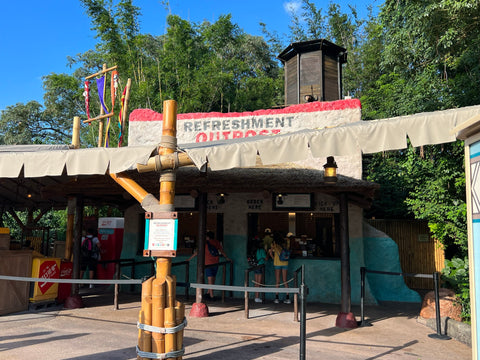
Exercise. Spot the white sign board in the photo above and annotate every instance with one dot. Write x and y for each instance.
(161, 234)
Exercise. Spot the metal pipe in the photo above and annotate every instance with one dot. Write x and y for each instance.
(362, 293)
(344, 256)
(437, 303)
(117, 276)
(303, 316)
(245, 283)
(295, 297)
(202, 228)
(224, 277)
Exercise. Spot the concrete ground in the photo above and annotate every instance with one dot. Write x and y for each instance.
(97, 331)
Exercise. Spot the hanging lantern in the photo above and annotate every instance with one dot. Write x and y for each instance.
(330, 174)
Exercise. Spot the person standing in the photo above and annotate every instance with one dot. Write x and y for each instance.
(260, 257)
(280, 264)
(267, 239)
(213, 250)
(90, 254)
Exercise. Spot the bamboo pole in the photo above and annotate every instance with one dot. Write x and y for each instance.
(141, 320)
(103, 71)
(76, 132)
(145, 338)
(99, 117)
(171, 282)
(169, 129)
(130, 185)
(125, 104)
(170, 342)
(179, 315)
(167, 195)
(70, 226)
(167, 161)
(158, 309)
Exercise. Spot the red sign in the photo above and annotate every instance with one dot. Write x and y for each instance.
(47, 270)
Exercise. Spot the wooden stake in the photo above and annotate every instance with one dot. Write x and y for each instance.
(125, 104)
(102, 112)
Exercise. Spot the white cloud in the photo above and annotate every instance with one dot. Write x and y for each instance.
(292, 6)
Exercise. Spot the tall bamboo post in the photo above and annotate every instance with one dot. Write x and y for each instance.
(167, 195)
(162, 310)
(70, 224)
(76, 132)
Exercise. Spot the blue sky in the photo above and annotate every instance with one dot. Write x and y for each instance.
(36, 37)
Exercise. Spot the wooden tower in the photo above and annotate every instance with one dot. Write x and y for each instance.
(313, 71)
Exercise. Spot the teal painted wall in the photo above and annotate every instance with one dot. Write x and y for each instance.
(375, 251)
(382, 255)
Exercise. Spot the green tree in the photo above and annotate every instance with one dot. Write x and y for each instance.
(27, 124)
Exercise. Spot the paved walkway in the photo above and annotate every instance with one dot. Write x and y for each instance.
(100, 332)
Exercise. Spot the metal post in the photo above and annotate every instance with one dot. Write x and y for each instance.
(224, 277)
(263, 280)
(438, 335)
(245, 283)
(187, 279)
(303, 316)
(231, 278)
(362, 297)
(117, 276)
(202, 228)
(132, 275)
(295, 297)
(345, 255)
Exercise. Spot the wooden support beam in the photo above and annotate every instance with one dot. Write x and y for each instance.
(101, 72)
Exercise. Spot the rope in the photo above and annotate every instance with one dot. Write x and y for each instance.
(284, 283)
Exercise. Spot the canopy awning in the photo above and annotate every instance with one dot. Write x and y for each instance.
(362, 136)
(42, 176)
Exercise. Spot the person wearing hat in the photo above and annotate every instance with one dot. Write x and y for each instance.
(279, 264)
(289, 237)
(267, 239)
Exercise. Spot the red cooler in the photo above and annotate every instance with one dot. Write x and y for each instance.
(110, 234)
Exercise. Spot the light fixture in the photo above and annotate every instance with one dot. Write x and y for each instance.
(330, 174)
(221, 198)
(279, 199)
(29, 196)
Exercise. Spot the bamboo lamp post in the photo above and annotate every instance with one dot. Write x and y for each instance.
(159, 306)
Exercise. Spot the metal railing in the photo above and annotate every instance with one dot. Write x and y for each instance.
(133, 263)
(436, 281)
(301, 291)
(224, 264)
(247, 281)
